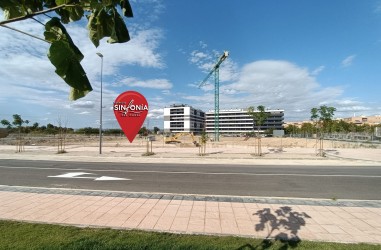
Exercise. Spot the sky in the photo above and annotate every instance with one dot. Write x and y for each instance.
(292, 55)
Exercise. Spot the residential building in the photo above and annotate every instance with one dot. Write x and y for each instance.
(183, 118)
(238, 121)
(360, 120)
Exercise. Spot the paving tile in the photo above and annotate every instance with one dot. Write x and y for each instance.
(164, 223)
(175, 202)
(251, 206)
(212, 209)
(227, 216)
(333, 229)
(133, 221)
(376, 222)
(183, 214)
(226, 209)
(225, 204)
(211, 204)
(241, 213)
(199, 203)
(360, 224)
(180, 224)
(149, 222)
(157, 211)
(212, 215)
(195, 225)
(351, 230)
(245, 227)
(186, 203)
(238, 205)
(315, 228)
(212, 226)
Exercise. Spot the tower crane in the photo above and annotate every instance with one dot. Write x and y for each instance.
(216, 71)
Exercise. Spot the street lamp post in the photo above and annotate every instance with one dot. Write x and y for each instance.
(100, 116)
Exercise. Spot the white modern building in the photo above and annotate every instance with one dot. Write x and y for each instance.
(238, 121)
(183, 118)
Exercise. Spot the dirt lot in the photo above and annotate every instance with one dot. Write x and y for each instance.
(186, 141)
(234, 149)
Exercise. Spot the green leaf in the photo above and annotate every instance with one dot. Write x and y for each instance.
(11, 9)
(14, 8)
(76, 13)
(56, 31)
(126, 8)
(70, 14)
(100, 25)
(120, 33)
(64, 58)
(76, 94)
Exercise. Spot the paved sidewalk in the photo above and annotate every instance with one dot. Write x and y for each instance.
(306, 219)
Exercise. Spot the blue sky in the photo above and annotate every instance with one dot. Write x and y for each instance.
(292, 55)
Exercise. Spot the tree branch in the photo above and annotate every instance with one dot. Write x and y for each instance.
(34, 14)
(2, 25)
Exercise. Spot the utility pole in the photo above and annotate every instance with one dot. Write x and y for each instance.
(100, 113)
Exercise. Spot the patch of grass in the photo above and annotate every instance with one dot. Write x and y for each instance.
(18, 235)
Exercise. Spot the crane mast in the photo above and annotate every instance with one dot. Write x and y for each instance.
(216, 72)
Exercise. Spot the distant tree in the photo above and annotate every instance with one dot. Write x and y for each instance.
(259, 117)
(103, 19)
(35, 126)
(307, 129)
(113, 131)
(156, 130)
(87, 131)
(6, 123)
(143, 131)
(203, 140)
(16, 123)
(322, 118)
(292, 129)
(62, 134)
(51, 129)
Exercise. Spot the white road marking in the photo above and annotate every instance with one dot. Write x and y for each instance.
(76, 175)
(109, 178)
(73, 175)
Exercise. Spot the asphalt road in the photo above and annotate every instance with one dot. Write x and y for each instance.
(339, 182)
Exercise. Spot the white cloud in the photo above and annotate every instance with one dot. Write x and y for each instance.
(156, 113)
(274, 84)
(82, 104)
(317, 71)
(151, 83)
(206, 60)
(348, 61)
(203, 45)
(84, 113)
(197, 56)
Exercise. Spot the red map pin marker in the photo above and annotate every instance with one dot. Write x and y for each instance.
(130, 109)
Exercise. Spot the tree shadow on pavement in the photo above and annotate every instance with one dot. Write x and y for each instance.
(282, 225)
